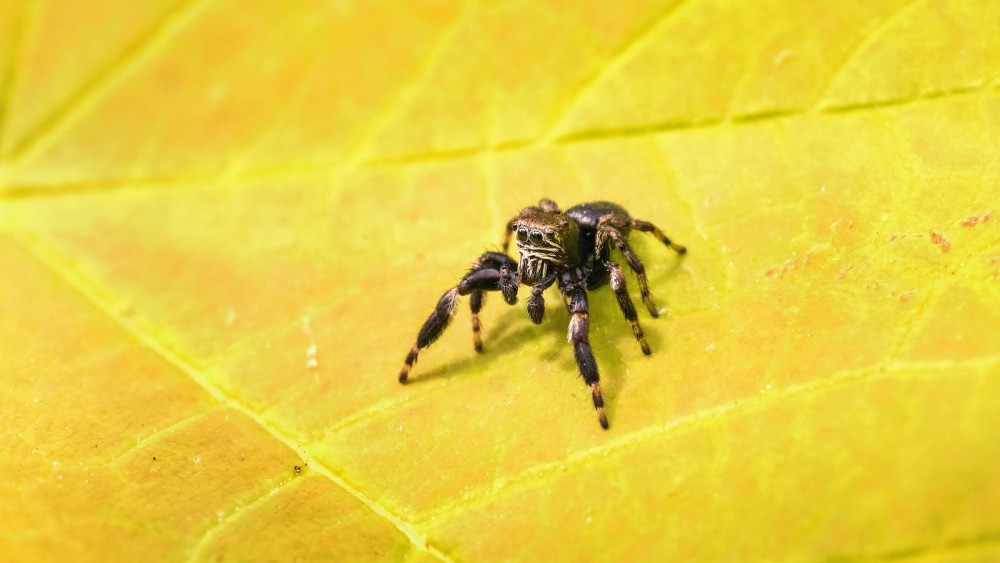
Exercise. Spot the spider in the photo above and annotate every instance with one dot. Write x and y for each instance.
(571, 249)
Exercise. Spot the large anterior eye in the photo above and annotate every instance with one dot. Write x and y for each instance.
(535, 237)
(522, 234)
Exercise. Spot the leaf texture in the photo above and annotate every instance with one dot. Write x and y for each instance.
(222, 225)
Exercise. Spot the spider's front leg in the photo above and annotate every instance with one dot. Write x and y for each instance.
(579, 336)
(507, 285)
(493, 271)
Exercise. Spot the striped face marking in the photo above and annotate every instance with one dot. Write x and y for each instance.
(538, 249)
(542, 241)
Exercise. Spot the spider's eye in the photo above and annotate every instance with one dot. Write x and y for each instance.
(535, 237)
(522, 234)
(551, 235)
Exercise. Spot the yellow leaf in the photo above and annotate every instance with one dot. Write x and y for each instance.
(222, 225)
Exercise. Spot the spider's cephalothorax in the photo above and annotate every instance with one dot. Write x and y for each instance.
(571, 249)
(546, 242)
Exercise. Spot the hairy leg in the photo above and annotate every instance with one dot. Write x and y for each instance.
(625, 303)
(491, 272)
(507, 285)
(579, 336)
(608, 229)
(536, 303)
(647, 227)
(476, 300)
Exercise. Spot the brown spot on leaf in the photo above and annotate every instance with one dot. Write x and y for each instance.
(790, 265)
(938, 239)
(976, 219)
(904, 296)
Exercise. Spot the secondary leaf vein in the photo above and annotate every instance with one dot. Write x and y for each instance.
(10, 78)
(618, 58)
(873, 33)
(536, 476)
(84, 98)
(97, 296)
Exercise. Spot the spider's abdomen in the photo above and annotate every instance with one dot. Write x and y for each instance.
(586, 216)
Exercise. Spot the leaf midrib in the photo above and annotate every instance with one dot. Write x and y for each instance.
(96, 296)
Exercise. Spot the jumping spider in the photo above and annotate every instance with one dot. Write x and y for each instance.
(571, 249)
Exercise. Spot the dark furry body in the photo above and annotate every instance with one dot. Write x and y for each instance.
(571, 249)
(587, 216)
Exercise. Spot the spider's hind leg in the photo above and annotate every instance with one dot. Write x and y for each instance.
(647, 227)
(625, 303)
(616, 229)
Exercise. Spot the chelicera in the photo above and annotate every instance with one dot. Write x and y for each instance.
(571, 249)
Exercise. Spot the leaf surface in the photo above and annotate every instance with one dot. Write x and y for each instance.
(222, 226)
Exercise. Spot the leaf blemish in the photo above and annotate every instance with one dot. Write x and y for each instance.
(311, 361)
(974, 220)
(940, 240)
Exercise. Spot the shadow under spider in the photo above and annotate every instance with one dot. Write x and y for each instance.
(499, 341)
(609, 335)
(512, 331)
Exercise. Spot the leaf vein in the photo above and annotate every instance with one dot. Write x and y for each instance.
(48, 130)
(12, 73)
(94, 294)
(874, 32)
(159, 433)
(910, 100)
(408, 92)
(956, 544)
(537, 476)
(226, 521)
(300, 170)
(617, 59)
